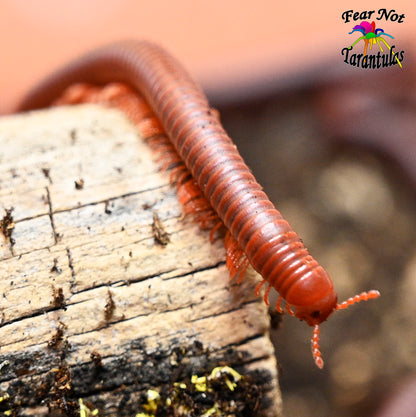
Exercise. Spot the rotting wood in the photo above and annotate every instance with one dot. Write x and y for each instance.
(92, 307)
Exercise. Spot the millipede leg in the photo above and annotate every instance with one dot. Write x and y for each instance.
(279, 304)
(258, 287)
(289, 310)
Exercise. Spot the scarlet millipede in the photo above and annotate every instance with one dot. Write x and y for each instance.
(213, 181)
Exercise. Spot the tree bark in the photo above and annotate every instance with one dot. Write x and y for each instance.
(108, 294)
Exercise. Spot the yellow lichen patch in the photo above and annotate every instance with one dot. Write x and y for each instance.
(153, 399)
(84, 411)
(221, 371)
(4, 397)
(200, 382)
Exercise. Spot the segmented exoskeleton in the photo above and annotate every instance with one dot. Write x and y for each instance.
(214, 182)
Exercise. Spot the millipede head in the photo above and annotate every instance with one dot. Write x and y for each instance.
(316, 353)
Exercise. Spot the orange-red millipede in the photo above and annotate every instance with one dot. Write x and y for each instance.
(256, 232)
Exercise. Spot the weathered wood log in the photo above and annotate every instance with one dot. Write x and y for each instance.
(108, 294)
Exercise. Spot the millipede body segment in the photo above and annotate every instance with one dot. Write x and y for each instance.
(202, 153)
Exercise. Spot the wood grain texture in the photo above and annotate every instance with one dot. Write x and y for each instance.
(83, 273)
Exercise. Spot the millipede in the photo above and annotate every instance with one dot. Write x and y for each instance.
(213, 182)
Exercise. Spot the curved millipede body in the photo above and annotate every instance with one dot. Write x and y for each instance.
(256, 231)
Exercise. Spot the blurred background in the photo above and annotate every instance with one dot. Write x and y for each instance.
(333, 145)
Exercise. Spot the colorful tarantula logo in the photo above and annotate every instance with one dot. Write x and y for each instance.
(371, 36)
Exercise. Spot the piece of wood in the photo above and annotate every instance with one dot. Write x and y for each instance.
(94, 304)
